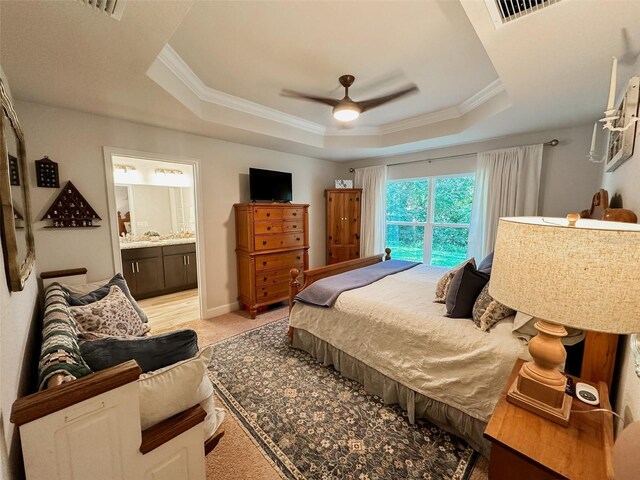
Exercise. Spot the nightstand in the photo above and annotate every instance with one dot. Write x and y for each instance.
(526, 446)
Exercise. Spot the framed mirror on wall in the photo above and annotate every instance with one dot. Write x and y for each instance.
(17, 234)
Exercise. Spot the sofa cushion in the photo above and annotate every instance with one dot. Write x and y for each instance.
(78, 300)
(151, 353)
(113, 315)
(60, 352)
(173, 389)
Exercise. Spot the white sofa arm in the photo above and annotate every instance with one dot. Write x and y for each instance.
(90, 428)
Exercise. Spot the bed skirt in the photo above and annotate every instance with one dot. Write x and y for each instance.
(375, 383)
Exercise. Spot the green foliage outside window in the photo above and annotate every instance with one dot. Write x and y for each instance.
(408, 201)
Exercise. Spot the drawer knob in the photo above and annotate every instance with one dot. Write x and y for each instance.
(298, 257)
(264, 242)
(295, 226)
(264, 279)
(297, 239)
(266, 293)
(264, 263)
(268, 214)
(295, 214)
(268, 228)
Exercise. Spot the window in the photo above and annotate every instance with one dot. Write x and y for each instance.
(428, 218)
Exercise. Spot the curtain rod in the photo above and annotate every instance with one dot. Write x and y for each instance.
(550, 143)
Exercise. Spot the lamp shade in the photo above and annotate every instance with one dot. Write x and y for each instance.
(585, 276)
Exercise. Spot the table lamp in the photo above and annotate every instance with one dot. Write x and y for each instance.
(570, 272)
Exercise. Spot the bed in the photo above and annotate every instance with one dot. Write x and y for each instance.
(401, 347)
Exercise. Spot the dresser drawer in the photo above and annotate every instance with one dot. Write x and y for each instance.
(294, 226)
(273, 277)
(268, 226)
(272, 261)
(284, 240)
(265, 213)
(293, 213)
(271, 292)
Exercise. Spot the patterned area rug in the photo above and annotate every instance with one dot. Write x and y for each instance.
(312, 423)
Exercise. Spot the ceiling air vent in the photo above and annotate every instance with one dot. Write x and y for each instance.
(113, 8)
(505, 11)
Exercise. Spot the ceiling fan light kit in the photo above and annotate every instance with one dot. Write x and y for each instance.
(346, 110)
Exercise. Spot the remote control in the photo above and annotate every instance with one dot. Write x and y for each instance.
(587, 394)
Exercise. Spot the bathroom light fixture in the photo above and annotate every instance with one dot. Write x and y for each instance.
(124, 168)
(168, 171)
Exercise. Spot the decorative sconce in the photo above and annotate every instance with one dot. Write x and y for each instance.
(612, 114)
(592, 153)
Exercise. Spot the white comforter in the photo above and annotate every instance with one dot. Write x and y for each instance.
(393, 326)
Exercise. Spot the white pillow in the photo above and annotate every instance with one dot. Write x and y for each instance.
(176, 388)
(524, 327)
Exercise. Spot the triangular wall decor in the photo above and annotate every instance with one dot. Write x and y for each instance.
(71, 210)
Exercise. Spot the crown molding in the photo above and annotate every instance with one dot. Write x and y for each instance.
(178, 67)
(174, 62)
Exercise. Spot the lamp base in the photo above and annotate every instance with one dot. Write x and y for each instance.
(558, 415)
(540, 386)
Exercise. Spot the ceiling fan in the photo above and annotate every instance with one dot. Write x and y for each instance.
(346, 109)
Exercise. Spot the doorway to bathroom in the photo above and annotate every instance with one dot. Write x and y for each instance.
(154, 218)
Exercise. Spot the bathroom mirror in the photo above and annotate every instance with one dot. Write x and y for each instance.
(17, 235)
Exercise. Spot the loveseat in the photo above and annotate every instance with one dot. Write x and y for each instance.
(116, 422)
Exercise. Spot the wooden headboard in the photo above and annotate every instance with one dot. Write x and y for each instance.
(600, 349)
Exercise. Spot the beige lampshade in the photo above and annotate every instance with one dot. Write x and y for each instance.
(586, 276)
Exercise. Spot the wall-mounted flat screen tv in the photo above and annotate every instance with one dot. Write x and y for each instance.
(269, 185)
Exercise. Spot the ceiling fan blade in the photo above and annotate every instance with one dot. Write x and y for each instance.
(303, 96)
(376, 102)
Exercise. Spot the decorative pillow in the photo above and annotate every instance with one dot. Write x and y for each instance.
(487, 311)
(443, 284)
(486, 264)
(76, 299)
(464, 288)
(112, 316)
(174, 389)
(151, 352)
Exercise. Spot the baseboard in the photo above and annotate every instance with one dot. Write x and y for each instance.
(221, 310)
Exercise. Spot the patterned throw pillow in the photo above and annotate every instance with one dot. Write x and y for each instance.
(487, 311)
(112, 316)
(443, 284)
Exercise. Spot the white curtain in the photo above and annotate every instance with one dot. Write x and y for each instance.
(507, 185)
(373, 181)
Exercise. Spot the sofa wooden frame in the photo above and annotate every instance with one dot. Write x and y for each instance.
(90, 427)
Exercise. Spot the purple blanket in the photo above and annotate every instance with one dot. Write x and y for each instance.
(325, 292)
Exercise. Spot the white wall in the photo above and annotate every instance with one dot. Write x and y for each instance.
(568, 180)
(18, 312)
(625, 181)
(75, 141)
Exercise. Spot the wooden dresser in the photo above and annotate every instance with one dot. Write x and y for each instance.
(271, 239)
(343, 224)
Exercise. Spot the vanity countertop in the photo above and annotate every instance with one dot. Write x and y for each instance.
(158, 243)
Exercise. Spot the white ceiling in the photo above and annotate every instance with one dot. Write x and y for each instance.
(216, 68)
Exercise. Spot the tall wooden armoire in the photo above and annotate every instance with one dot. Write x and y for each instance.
(343, 224)
(271, 239)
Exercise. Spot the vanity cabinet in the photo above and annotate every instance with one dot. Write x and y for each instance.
(154, 271)
(180, 267)
(142, 269)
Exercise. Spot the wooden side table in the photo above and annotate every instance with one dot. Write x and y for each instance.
(526, 446)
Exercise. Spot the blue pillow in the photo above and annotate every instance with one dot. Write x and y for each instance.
(486, 264)
(118, 280)
(151, 353)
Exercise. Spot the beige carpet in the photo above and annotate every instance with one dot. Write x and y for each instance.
(237, 457)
